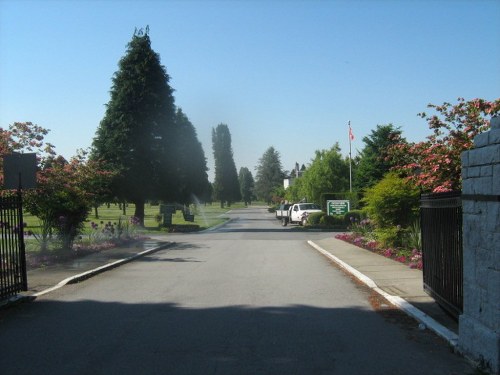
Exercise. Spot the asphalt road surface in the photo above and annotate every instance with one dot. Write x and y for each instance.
(248, 298)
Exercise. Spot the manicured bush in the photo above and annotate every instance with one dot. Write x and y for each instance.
(315, 218)
(390, 236)
(354, 216)
(392, 202)
(333, 221)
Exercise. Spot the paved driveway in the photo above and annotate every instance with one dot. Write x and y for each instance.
(249, 298)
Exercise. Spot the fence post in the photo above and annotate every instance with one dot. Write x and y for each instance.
(479, 325)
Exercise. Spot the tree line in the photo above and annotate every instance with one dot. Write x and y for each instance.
(146, 149)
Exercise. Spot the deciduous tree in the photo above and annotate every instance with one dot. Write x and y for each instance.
(328, 173)
(434, 165)
(65, 190)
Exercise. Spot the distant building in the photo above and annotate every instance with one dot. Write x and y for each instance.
(296, 173)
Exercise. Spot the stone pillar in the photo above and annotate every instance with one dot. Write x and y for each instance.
(479, 325)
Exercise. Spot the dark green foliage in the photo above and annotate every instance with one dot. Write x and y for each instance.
(191, 166)
(390, 236)
(136, 137)
(332, 221)
(315, 217)
(269, 175)
(392, 202)
(329, 171)
(321, 219)
(246, 181)
(354, 216)
(372, 164)
(226, 187)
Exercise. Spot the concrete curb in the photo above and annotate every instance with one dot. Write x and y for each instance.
(397, 301)
(88, 274)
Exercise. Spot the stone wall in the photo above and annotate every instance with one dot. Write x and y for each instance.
(479, 329)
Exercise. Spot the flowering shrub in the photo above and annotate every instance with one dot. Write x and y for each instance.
(416, 259)
(113, 231)
(361, 227)
(435, 164)
(413, 258)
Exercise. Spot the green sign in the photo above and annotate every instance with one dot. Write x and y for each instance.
(340, 207)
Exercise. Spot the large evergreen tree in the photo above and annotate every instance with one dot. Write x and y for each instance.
(136, 136)
(269, 175)
(192, 164)
(226, 186)
(373, 163)
(246, 185)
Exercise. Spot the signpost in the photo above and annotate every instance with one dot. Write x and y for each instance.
(337, 207)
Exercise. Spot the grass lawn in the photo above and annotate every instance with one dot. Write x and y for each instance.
(204, 217)
(97, 239)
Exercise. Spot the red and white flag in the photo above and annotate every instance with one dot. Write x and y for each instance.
(351, 136)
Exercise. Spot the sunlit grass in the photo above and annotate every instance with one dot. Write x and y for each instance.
(205, 216)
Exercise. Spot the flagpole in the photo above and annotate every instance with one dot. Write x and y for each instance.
(350, 162)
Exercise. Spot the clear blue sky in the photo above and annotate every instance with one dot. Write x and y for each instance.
(288, 74)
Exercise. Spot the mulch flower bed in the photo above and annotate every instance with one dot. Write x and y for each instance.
(412, 258)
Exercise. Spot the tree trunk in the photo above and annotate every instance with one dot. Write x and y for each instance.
(139, 211)
(96, 212)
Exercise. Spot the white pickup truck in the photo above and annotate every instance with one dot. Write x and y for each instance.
(298, 212)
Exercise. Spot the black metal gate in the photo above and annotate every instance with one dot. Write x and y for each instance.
(441, 223)
(12, 253)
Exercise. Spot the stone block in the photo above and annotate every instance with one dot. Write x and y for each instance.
(468, 186)
(469, 207)
(496, 249)
(483, 186)
(482, 140)
(494, 300)
(492, 217)
(495, 153)
(494, 136)
(479, 342)
(471, 299)
(474, 171)
(484, 155)
(486, 170)
(465, 159)
(496, 179)
(483, 262)
(495, 122)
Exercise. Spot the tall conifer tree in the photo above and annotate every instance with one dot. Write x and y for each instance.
(191, 161)
(373, 163)
(226, 186)
(246, 185)
(135, 137)
(269, 174)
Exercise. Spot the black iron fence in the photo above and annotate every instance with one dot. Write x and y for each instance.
(441, 223)
(12, 253)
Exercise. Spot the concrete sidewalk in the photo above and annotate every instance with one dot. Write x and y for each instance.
(399, 284)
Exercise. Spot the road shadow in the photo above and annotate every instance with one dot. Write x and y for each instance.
(93, 337)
